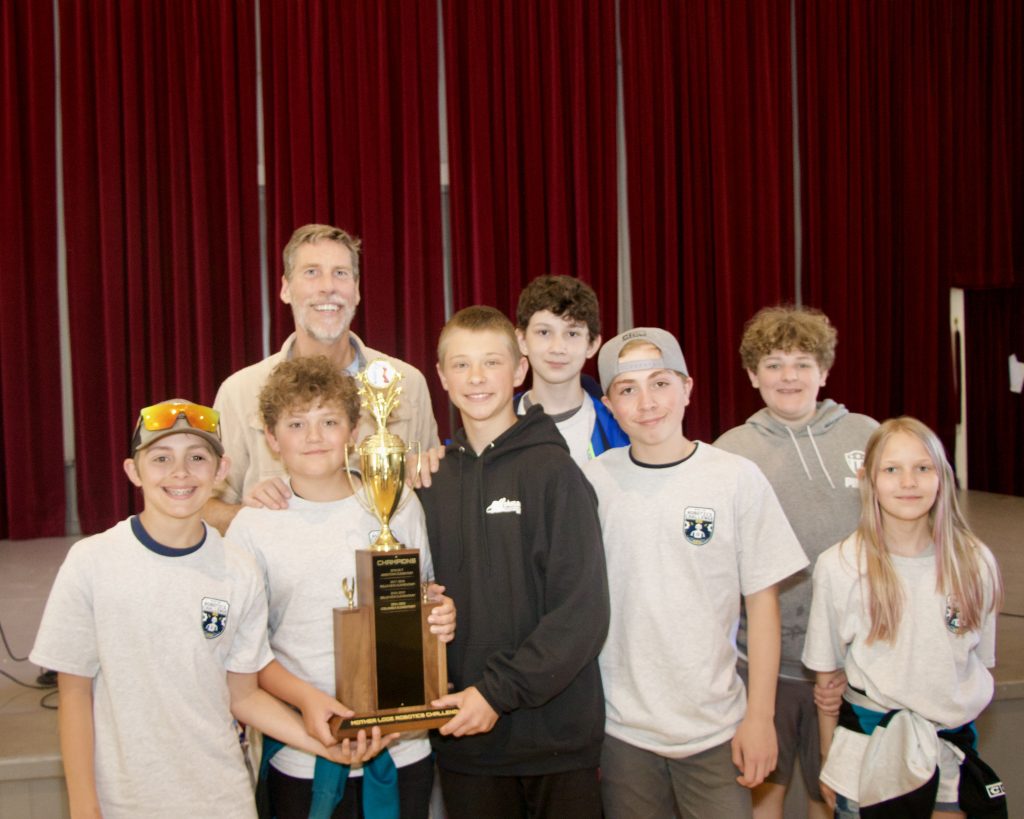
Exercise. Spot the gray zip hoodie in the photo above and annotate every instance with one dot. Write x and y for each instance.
(813, 470)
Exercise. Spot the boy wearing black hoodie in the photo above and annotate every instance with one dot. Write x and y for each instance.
(516, 540)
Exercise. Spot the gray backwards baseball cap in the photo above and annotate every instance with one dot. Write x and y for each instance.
(609, 366)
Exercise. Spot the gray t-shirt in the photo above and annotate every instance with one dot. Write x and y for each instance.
(158, 634)
(683, 542)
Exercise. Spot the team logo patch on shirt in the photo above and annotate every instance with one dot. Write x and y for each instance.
(952, 615)
(504, 505)
(854, 460)
(215, 617)
(698, 524)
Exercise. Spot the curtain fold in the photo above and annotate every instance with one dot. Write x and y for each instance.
(530, 90)
(709, 157)
(160, 158)
(986, 82)
(350, 100)
(876, 124)
(31, 441)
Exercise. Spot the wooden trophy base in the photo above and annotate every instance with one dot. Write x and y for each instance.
(389, 667)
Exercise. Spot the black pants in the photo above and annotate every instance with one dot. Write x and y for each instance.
(290, 798)
(574, 794)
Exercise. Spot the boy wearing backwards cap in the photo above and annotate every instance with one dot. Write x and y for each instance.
(157, 629)
(687, 529)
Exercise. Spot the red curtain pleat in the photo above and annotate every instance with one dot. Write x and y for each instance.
(709, 157)
(987, 187)
(350, 106)
(530, 92)
(160, 156)
(876, 126)
(31, 432)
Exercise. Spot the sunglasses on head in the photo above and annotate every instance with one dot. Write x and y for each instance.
(165, 415)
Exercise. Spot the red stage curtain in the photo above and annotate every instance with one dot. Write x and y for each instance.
(350, 102)
(995, 416)
(876, 118)
(162, 217)
(709, 158)
(987, 86)
(530, 89)
(32, 457)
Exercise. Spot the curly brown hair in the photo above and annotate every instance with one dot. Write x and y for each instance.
(788, 328)
(302, 382)
(565, 296)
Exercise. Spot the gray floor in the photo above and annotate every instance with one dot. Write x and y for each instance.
(29, 755)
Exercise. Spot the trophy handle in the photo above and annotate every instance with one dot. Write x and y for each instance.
(348, 474)
(407, 491)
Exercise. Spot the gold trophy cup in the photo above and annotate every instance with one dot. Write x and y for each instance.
(388, 665)
(381, 455)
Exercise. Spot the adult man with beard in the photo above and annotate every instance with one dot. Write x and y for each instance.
(321, 283)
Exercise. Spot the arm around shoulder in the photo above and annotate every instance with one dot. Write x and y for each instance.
(220, 514)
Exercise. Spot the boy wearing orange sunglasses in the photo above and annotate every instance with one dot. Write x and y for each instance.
(157, 628)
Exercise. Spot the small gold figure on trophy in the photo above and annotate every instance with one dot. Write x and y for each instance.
(348, 586)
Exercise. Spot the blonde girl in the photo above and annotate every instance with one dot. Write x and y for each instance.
(906, 606)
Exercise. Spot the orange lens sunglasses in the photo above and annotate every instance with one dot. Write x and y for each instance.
(165, 416)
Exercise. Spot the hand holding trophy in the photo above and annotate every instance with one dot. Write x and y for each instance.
(388, 664)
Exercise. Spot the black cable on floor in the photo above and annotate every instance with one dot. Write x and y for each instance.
(7, 646)
(25, 684)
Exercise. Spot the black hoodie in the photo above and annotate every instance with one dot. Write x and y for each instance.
(516, 541)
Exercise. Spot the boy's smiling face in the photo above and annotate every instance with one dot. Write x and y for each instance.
(311, 441)
(557, 347)
(177, 474)
(649, 405)
(789, 383)
(480, 373)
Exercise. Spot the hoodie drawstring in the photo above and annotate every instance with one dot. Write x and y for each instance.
(820, 461)
(799, 454)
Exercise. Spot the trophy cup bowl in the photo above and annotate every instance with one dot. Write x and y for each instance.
(382, 465)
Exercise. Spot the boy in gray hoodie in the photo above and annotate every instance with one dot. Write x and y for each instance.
(810, 452)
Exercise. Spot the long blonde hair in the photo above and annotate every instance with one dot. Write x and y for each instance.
(960, 568)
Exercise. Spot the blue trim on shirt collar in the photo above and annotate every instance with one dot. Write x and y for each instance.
(146, 540)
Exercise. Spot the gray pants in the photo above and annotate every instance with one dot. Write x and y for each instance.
(639, 784)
